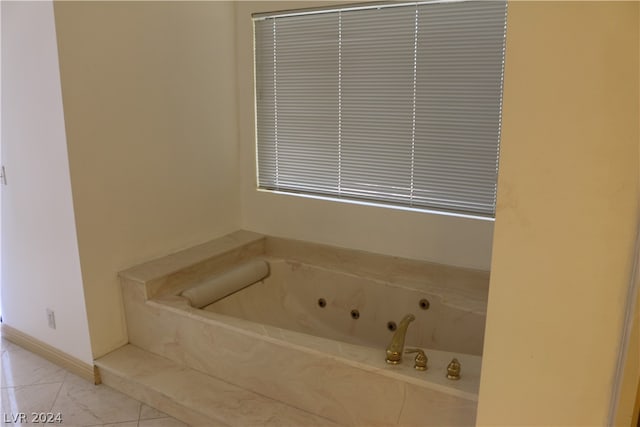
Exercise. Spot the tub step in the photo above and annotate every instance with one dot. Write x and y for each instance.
(192, 396)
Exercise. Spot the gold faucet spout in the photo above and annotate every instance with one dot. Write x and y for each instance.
(395, 347)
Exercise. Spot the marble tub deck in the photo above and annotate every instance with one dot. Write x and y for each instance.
(316, 380)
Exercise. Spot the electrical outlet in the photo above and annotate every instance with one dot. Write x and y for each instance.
(51, 318)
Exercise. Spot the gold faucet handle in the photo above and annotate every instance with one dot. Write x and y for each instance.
(421, 359)
(453, 369)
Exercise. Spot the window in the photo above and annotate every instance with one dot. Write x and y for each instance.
(397, 103)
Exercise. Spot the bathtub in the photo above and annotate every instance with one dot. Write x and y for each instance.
(313, 333)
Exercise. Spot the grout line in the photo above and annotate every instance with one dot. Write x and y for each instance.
(139, 414)
(65, 379)
(67, 376)
(18, 386)
(55, 399)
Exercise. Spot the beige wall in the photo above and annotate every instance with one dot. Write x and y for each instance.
(628, 405)
(40, 261)
(149, 104)
(566, 216)
(438, 238)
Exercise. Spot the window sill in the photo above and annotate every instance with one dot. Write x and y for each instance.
(377, 205)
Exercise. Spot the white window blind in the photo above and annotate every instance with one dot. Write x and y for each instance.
(396, 104)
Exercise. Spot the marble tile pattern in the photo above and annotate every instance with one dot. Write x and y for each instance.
(466, 288)
(31, 384)
(349, 384)
(288, 299)
(175, 272)
(198, 399)
(342, 381)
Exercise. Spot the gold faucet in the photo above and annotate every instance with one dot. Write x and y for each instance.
(421, 359)
(395, 347)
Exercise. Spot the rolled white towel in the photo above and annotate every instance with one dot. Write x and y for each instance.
(230, 281)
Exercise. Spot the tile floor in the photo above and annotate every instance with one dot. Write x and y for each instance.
(30, 383)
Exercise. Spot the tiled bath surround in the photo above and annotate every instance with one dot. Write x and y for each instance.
(336, 380)
(290, 299)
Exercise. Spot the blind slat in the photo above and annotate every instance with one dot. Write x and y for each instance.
(399, 104)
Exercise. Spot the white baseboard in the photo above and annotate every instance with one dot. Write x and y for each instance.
(60, 358)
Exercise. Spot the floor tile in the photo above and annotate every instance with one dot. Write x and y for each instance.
(127, 424)
(162, 422)
(21, 367)
(149, 413)
(33, 384)
(82, 403)
(26, 400)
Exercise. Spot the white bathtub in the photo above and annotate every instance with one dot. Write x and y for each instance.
(275, 339)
